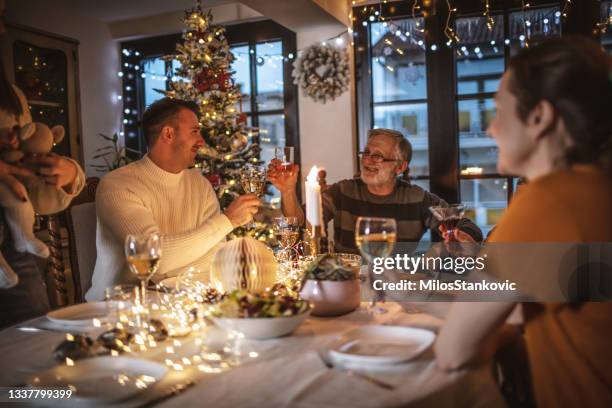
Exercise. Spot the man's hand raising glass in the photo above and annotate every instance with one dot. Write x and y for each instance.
(282, 177)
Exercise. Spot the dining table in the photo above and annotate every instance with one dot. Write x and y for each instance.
(290, 371)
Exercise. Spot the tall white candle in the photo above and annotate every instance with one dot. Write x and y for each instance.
(314, 213)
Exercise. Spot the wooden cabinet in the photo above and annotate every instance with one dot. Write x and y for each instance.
(45, 67)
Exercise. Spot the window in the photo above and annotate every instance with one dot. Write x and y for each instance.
(605, 25)
(258, 70)
(262, 71)
(399, 85)
(441, 95)
(479, 64)
(154, 79)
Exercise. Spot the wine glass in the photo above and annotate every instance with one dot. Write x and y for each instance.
(118, 299)
(285, 156)
(375, 238)
(287, 231)
(143, 253)
(449, 216)
(253, 180)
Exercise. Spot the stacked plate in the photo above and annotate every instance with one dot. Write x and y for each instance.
(379, 346)
(102, 380)
(80, 317)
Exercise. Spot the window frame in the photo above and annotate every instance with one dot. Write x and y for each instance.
(236, 34)
(442, 95)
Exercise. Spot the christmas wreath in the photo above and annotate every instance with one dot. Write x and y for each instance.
(322, 72)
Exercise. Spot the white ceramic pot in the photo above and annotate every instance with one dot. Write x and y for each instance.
(332, 298)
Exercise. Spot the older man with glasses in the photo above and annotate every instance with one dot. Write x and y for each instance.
(378, 192)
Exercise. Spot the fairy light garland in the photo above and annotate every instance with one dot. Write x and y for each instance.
(449, 31)
(487, 14)
(566, 7)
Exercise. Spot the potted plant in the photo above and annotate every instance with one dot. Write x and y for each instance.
(331, 284)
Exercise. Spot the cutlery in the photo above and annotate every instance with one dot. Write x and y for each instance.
(32, 329)
(36, 329)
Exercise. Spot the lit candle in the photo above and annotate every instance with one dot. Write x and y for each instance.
(314, 211)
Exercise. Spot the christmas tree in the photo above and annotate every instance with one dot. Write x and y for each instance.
(205, 77)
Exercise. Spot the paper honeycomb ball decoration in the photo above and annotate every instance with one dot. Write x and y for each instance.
(244, 264)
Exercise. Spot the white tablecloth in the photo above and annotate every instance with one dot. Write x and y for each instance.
(290, 372)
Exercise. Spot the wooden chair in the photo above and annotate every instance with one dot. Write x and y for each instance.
(78, 220)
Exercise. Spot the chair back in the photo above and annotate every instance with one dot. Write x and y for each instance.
(79, 221)
(81, 225)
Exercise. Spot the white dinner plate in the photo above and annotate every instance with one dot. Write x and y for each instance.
(102, 379)
(83, 313)
(380, 345)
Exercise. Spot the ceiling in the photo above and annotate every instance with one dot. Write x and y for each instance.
(294, 14)
(117, 10)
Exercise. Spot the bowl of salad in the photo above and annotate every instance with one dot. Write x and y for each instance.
(331, 284)
(260, 315)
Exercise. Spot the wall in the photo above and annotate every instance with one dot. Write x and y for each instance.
(98, 62)
(327, 130)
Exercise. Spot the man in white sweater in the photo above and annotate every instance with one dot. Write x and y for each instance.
(159, 194)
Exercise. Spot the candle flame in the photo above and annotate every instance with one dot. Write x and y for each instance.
(313, 175)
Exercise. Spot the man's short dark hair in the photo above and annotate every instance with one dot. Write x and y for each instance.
(403, 147)
(161, 113)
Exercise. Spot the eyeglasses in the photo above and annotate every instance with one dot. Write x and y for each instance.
(375, 157)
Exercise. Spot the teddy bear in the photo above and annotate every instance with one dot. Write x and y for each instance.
(34, 138)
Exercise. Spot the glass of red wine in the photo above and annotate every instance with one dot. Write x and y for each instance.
(449, 216)
(284, 157)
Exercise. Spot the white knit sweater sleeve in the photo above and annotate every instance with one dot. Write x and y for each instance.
(123, 212)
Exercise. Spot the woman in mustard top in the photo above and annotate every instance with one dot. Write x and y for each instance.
(553, 126)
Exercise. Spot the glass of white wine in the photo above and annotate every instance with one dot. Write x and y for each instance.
(253, 180)
(375, 238)
(143, 253)
(287, 231)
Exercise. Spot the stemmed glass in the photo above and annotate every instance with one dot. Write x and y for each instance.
(287, 231)
(253, 180)
(375, 238)
(284, 157)
(449, 216)
(143, 253)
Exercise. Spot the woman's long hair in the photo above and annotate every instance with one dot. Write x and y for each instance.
(574, 74)
(8, 97)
